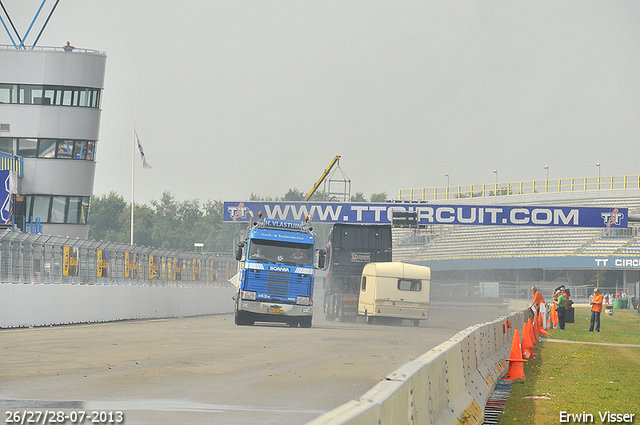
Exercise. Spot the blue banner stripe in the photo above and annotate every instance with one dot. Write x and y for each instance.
(382, 213)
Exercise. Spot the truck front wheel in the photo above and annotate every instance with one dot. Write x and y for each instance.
(305, 322)
(243, 319)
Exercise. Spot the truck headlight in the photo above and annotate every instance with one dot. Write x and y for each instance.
(248, 295)
(303, 301)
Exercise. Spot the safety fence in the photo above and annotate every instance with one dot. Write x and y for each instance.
(448, 385)
(582, 184)
(32, 258)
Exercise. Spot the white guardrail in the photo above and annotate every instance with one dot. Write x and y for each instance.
(448, 385)
(24, 305)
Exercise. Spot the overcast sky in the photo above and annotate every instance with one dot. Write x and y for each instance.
(231, 98)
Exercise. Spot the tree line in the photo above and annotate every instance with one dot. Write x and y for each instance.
(172, 224)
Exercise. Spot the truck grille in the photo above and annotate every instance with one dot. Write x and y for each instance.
(278, 284)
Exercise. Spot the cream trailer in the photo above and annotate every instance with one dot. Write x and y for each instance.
(395, 291)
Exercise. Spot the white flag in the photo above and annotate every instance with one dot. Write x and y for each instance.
(144, 161)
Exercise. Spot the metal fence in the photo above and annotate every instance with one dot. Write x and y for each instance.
(29, 258)
(509, 290)
(582, 184)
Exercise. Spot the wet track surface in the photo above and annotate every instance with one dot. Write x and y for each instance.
(207, 370)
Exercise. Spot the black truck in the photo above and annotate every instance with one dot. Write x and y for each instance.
(349, 248)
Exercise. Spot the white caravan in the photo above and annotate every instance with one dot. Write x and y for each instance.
(395, 291)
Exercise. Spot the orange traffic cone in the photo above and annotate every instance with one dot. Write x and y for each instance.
(535, 329)
(527, 342)
(516, 367)
(541, 330)
(532, 333)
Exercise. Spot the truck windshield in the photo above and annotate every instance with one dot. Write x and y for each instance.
(281, 252)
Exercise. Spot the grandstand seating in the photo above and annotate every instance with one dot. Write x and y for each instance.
(631, 249)
(461, 242)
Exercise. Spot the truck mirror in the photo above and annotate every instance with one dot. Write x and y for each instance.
(321, 258)
(239, 253)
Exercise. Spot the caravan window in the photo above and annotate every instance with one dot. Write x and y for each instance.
(364, 283)
(410, 285)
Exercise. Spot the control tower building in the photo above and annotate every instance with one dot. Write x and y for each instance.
(50, 120)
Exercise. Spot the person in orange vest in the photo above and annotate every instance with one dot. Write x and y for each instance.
(561, 304)
(536, 301)
(596, 309)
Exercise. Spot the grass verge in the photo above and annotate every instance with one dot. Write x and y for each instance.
(580, 378)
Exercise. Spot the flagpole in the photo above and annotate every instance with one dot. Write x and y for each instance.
(133, 168)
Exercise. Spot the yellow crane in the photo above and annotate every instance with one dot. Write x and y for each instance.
(324, 175)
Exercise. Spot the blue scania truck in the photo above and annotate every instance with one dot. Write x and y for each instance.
(276, 273)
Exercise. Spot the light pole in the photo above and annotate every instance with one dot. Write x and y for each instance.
(447, 176)
(546, 183)
(598, 165)
(495, 192)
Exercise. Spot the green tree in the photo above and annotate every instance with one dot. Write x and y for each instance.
(143, 225)
(293, 195)
(358, 197)
(176, 223)
(318, 196)
(169, 224)
(143, 218)
(379, 197)
(105, 218)
(218, 235)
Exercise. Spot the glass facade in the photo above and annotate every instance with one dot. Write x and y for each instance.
(49, 148)
(30, 94)
(57, 209)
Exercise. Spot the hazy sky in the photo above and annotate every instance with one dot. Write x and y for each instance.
(231, 98)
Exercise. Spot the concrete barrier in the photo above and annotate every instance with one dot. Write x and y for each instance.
(23, 305)
(449, 384)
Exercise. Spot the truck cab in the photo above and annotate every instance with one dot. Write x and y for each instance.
(276, 273)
